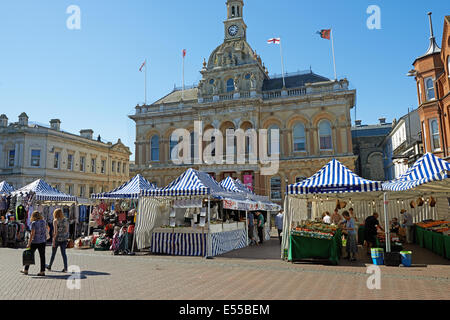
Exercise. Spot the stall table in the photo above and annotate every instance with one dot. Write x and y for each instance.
(306, 247)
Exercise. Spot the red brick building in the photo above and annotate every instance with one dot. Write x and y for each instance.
(432, 74)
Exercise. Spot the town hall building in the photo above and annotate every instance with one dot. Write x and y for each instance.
(311, 112)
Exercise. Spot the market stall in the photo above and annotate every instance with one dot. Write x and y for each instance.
(428, 182)
(333, 182)
(117, 208)
(40, 196)
(186, 218)
(5, 188)
(255, 203)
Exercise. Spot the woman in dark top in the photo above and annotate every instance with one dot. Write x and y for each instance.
(38, 239)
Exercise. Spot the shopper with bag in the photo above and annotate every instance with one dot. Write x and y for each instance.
(60, 236)
(37, 241)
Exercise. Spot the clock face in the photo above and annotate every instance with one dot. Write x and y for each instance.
(233, 30)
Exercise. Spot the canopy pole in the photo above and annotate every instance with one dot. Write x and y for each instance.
(286, 227)
(134, 233)
(388, 238)
(208, 245)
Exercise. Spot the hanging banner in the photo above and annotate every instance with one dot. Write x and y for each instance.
(248, 181)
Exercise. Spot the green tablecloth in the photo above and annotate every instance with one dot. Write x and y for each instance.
(305, 248)
(428, 239)
(447, 246)
(361, 235)
(438, 243)
(419, 236)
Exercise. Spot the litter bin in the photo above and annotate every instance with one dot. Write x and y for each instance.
(377, 256)
(406, 258)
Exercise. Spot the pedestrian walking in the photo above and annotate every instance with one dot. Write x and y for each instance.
(279, 223)
(60, 236)
(260, 225)
(350, 231)
(37, 241)
(408, 223)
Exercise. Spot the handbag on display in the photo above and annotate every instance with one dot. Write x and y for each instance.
(432, 202)
(27, 257)
(70, 244)
(420, 201)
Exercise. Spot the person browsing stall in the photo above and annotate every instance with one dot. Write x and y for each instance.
(350, 230)
(260, 225)
(279, 223)
(408, 223)
(327, 219)
(370, 231)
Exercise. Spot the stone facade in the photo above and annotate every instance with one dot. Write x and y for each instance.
(311, 112)
(74, 164)
(367, 140)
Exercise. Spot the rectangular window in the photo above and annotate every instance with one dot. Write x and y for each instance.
(11, 157)
(35, 158)
(429, 88)
(70, 162)
(91, 190)
(118, 167)
(103, 166)
(124, 167)
(82, 190)
(56, 161)
(82, 164)
(70, 189)
(434, 134)
(325, 143)
(113, 167)
(93, 165)
(275, 188)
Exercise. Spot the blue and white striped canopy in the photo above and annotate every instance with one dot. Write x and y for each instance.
(263, 203)
(44, 192)
(190, 183)
(426, 170)
(5, 188)
(334, 178)
(129, 190)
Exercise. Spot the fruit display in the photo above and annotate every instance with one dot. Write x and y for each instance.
(437, 226)
(315, 230)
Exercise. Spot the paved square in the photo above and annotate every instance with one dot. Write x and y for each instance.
(250, 273)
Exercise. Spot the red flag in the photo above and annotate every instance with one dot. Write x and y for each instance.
(324, 33)
(184, 53)
(274, 40)
(140, 69)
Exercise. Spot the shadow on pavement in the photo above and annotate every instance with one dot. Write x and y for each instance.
(65, 276)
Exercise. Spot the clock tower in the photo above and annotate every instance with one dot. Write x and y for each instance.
(235, 27)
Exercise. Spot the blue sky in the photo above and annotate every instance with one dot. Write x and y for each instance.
(89, 78)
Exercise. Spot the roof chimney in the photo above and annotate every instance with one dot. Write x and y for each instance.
(358, 123)
(87, 133)
(23, 119)
(382, 120)
(55, 124)
(3, 120)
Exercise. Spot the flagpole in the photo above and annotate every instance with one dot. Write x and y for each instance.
(282, 64)
(182, 93)
(145, 82)
(334, 60)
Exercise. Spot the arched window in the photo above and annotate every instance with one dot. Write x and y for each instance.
(434, 130)
(299, 139)
(230, 85)
(275, 188)
(325, 135)
(276, 140)
(233, 13)
(238, 11)
(155, 148)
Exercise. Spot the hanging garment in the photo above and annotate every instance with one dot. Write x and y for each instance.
(20, 213)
